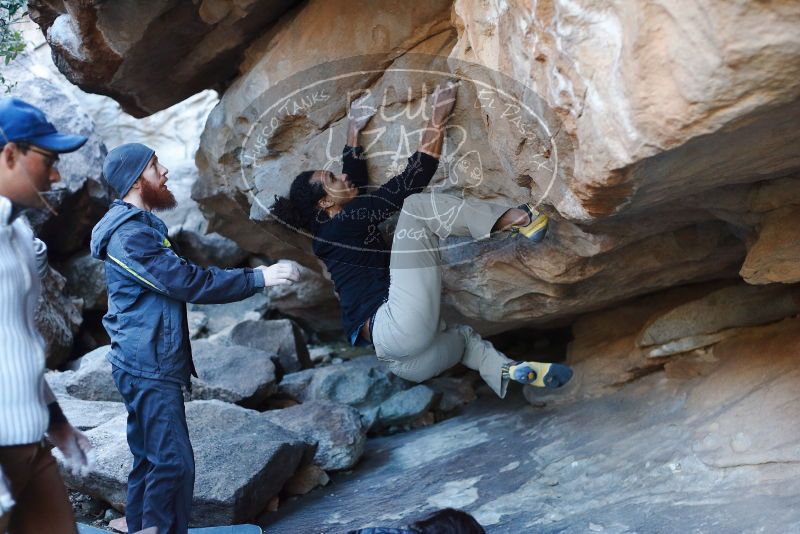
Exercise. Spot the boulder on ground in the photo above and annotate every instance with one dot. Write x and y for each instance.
(223, 316)
(229, 373)
(280, 336)
(86, 415)
(406, 406)
(236, 374)
(58, 319)
(92, 381)
(363, 383)
(312, 302)
(453, 392)
(241, 461)
(305, 479)
(86, 279)
(335, 428)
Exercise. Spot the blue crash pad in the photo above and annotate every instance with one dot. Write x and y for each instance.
(233, 529)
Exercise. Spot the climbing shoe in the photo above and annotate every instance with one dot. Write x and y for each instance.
(539, 374)
(537, 228)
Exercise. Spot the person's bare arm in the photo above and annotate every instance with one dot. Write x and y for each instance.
(444, 98)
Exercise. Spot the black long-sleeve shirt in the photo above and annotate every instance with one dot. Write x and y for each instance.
(352, 247)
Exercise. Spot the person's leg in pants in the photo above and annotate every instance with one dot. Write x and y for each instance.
(136, 478)
(407, 331)
(37, 487)
(166, 499)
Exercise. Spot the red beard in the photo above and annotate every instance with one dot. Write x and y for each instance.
(156, 198)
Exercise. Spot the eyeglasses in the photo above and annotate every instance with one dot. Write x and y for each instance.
(50, 158)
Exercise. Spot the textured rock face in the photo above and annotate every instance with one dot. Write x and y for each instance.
(57, 319)
(86, 279)
(661, 135)
(774, 255)
(129, 50)
(663, 99)
(659, 123)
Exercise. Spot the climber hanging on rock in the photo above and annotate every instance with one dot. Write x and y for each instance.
(391, 297)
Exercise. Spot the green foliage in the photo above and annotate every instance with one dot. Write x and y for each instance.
(11, 42)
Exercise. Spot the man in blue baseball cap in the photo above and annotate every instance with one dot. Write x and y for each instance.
(149, 284)
(30, 147)
(32, 495)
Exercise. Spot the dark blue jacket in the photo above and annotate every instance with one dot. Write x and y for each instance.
(351, 245)
(148, 288)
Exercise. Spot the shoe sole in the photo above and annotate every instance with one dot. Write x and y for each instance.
(537, 229)
(542, 375)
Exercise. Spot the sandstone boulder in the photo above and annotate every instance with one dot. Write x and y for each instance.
(648, 188)
(606, 245)
(730, 307)
(119, 49)
(773, 257)
(242, 460)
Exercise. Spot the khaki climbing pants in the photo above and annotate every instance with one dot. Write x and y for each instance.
(407, 331)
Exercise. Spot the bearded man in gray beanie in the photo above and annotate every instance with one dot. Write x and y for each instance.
(149, 284)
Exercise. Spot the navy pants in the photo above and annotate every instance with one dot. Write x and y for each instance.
(161, 483)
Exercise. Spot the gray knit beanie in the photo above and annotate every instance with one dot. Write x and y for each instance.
(123, 166)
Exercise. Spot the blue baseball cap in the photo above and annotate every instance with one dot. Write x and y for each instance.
(20, 121)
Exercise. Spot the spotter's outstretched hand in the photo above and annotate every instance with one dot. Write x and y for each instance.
(281, 273)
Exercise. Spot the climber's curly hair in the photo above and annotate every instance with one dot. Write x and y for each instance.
(300, 210)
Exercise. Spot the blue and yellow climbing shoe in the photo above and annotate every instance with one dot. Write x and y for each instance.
(540, 374)
(536, 229)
